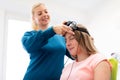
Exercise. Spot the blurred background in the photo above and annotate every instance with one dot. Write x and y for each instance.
(101, 17)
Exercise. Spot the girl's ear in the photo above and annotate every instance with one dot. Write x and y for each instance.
(92, 38)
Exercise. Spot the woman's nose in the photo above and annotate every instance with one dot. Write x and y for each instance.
(44, 14)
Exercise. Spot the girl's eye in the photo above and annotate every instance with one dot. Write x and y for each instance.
(71, 38)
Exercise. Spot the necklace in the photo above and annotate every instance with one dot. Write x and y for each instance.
(70, 71)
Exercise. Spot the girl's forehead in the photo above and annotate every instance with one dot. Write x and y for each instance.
(68, 35)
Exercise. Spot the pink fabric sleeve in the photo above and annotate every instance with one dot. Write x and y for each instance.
(99, 58)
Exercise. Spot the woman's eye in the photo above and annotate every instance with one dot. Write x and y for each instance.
(46, 11)
(39, 14)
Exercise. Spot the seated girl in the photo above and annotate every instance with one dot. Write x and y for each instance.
(89, 64)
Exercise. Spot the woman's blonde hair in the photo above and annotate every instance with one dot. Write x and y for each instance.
(85, 40)
(34, 25)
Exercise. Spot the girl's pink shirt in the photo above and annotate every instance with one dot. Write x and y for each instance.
(83, 70)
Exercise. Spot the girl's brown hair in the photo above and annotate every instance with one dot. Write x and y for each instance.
(85, 40)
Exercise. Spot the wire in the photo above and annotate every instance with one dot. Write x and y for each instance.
(66, 61)
(70, 71)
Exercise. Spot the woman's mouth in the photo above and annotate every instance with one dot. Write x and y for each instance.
(45, 19)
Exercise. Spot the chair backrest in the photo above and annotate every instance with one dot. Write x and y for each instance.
(114, 64)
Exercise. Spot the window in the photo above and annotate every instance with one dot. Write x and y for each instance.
(17, 57)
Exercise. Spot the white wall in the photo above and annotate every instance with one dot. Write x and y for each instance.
(105, 27)
(4, 16)
(2, 44)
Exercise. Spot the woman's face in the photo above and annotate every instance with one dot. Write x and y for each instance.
(41, 17)
(71, 44)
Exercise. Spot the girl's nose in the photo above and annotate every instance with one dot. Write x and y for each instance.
(68, 43)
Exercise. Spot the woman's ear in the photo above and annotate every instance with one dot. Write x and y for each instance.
(33, 18)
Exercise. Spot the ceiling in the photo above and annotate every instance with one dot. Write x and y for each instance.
(84, 10)
(59, 7)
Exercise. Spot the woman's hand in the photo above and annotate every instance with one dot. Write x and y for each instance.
(62, 29)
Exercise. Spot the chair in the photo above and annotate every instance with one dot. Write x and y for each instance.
(114, 64)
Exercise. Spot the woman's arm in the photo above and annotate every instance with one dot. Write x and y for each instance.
(32, 41)
(102, 71)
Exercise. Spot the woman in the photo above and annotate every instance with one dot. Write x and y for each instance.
(45, 47)
(88, 64)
